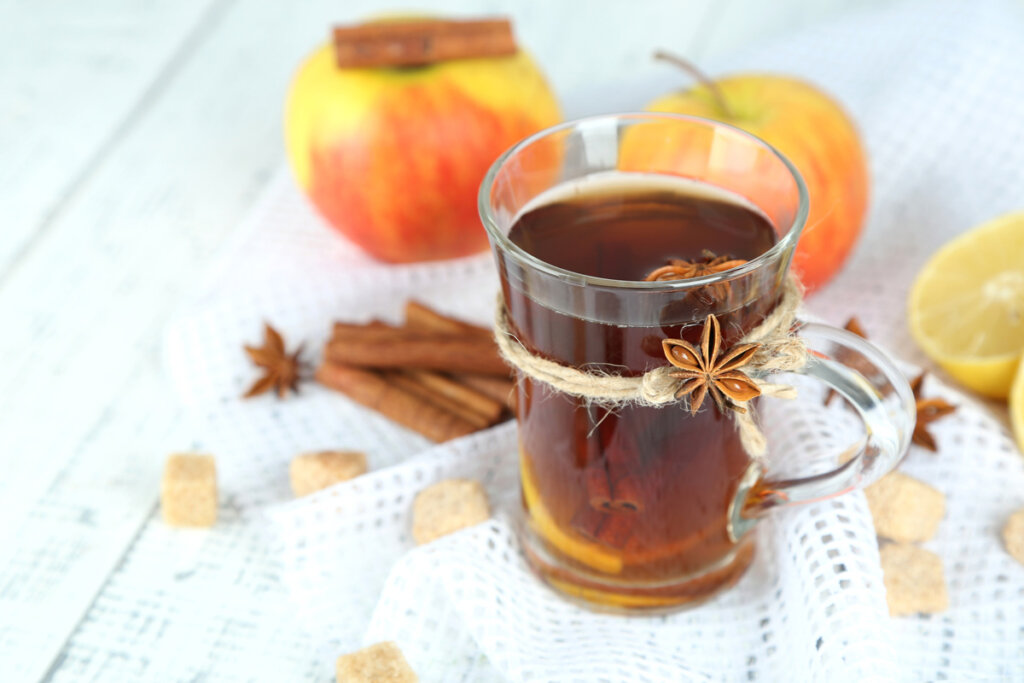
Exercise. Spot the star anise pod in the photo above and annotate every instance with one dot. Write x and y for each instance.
(707, 295)
(677, 269)
(928, 410)
(281, 371)
(710, 370)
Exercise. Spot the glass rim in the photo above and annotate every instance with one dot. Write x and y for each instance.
(525, 258)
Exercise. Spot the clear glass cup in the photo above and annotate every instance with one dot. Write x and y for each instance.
(698, 494)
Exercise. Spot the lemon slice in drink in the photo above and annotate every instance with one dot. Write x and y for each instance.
(583, 551)
(966, 307)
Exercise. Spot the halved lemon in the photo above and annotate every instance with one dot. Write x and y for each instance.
(966, 307)
(1017, 407)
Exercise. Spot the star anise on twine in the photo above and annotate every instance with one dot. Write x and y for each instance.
(281, 371)
(677, 269)
(928, 410)
(712, 370)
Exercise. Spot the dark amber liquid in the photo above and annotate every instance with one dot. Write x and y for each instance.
(682, 469)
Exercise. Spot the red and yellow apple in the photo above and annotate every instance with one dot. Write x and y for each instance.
(393, 157)
(816, 135)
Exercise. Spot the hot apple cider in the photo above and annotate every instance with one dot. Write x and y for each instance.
(634, 496)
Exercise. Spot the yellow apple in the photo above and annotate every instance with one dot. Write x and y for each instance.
(816, 135)
(393, 157)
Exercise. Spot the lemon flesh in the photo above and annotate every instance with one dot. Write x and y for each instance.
(966, 307)
(1017, 407)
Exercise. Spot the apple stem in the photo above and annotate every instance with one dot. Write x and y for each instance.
(702, 78)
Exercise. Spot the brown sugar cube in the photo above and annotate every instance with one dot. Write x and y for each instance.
(188, 490)
(448, 506)
(914, 581)
(1013, 535)
(905, 509)
(311, 472)
(378, 663)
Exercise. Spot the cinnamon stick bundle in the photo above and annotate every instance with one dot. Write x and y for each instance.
(377, 393)
(363, 346)
(436, 374)
(473, 400)
(498, 388)
(406, 381)
(421, 317)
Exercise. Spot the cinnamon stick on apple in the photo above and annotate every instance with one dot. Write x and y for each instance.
(414, 42)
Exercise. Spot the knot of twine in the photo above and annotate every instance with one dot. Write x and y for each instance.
(779, 351)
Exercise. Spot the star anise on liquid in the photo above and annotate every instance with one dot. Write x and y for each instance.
(708, 295)
(711, 370)
(281, 371)
(677, 269)
(928, 410)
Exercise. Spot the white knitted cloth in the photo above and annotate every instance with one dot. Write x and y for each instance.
(938, 91)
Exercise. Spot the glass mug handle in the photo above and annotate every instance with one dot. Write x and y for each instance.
(881, 396)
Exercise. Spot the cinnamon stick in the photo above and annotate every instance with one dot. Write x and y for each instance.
(626, 490)
(610, 487)
(370, 330)
(497, 388)
(616, 530)
(397, 348)
(610, 529)
(374, 392)
(626, 495)
(420, 41)
(407, 382)
(599, 492)
(587, 521)
(470, 398)
(421, 317)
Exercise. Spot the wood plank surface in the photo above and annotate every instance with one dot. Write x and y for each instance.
(75, 76)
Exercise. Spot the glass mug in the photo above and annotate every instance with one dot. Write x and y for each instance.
(691, 496)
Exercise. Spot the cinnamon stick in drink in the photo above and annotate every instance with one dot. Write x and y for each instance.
(626, 494)
(625, 478)
(599, 491)
(610, 529)
(587, 522)
(616, 530)
(375, 392)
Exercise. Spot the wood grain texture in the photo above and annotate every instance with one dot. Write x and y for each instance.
(74, 79)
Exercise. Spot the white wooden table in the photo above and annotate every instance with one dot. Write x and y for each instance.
(133, 137)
